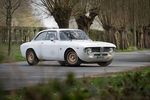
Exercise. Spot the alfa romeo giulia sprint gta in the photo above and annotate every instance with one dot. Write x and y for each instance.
(67, 46)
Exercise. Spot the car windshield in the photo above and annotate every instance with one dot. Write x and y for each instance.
(73, 35)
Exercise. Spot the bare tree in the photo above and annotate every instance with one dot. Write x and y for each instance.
(85, 12)
(8, 9)
(59, 9)
(126, 16)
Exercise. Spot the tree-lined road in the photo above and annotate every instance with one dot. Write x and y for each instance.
(20, 74)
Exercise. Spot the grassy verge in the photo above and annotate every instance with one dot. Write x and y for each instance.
(121, 86)
(15, 53)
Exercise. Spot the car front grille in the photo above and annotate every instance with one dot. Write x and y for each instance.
(95, 49)
(100, 54)
(101, 49)
(106, 49)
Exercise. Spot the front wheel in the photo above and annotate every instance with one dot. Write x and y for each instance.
(72, 58)
(31, 57)
(104, 64)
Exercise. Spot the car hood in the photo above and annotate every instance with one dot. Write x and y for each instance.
(90, 43)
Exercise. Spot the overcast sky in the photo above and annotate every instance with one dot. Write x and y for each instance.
(47, 20)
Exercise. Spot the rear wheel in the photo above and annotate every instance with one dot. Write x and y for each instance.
(104, 64)
(31, 57)
(72, 58)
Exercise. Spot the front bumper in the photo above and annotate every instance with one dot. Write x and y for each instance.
(97, 57)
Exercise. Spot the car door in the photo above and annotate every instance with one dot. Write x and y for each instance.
(37, 44)
(49, 47)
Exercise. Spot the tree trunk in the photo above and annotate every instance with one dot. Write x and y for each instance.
(134, 27)
(9, 37)
(147, 37)
(64, 23)
(116, 39)
(84, 22)
(140, 37)
(121, 40)
(8, 23)
(62, 17)
(126, 39)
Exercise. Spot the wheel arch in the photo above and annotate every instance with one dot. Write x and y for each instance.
(68, 49)
(71, 49)
(32, 50)
(34, 60)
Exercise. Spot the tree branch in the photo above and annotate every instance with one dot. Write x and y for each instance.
(16, 6)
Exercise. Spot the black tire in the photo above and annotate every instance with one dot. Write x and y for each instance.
(62, 63)
(72, 58)
(104, 64)
(31, 57)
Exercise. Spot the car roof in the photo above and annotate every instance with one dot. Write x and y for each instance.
(53, 30)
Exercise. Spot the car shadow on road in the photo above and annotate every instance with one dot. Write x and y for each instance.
(81, 66)
(56, 65)
(59, 66)
(51, 64)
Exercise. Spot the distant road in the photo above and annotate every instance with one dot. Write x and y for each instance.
(20, 74)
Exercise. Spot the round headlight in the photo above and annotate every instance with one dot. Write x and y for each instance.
(88, 50)
(111, 50)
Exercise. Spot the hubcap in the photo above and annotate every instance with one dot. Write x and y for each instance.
(72, 58)
(30, 57)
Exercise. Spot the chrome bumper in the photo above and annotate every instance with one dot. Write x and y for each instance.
(97, 57)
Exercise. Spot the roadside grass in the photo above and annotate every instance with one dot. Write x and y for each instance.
(15, 53)
(121, 86)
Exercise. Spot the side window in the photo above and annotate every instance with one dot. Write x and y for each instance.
(50, 35)
(41, 36)
(64, 35)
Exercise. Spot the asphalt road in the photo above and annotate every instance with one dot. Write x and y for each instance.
(20, 74)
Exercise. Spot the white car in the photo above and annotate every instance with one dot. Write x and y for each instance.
(67, 46)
